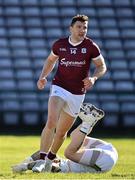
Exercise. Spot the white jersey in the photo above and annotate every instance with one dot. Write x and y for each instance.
(104, 162)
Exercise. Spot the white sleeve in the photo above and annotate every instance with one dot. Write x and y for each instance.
(54, 54)
(97, 58)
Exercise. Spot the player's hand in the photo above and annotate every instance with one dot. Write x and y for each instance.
(41, 83)
(89, 82)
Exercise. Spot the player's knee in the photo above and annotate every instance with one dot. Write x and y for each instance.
(51, 123)
(68, 153)
(60, 134)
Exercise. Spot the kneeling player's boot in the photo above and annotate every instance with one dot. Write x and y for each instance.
(90, 115)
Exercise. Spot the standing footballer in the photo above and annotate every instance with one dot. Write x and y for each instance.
(74, 55)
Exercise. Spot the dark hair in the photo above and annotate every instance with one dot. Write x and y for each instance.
(79, 17)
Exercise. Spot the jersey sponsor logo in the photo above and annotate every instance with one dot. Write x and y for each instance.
(64, 62)
(83, 50)
(73, 50)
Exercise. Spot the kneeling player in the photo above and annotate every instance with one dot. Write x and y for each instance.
(84, 154)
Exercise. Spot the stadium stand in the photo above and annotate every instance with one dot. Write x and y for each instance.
(27, 31)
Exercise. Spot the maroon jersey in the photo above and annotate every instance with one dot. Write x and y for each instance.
(73, 63)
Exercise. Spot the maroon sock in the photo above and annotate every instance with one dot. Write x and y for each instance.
(51, 156)
(42, 155)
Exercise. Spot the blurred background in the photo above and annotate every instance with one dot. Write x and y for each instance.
(27, 30)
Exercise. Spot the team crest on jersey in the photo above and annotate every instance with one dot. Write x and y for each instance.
(83, 50)
(73, 50)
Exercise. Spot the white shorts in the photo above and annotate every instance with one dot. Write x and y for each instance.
(73, 102)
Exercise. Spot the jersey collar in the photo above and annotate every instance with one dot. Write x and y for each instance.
(74, 44)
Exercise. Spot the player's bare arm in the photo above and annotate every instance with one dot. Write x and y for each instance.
(100, 69)
(47, 68)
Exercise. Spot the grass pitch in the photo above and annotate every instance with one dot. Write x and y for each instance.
(13, 149)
